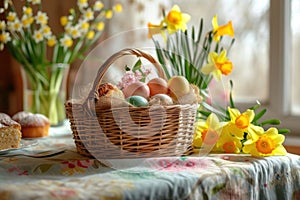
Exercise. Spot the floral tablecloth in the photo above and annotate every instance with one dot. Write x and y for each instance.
(58, 172)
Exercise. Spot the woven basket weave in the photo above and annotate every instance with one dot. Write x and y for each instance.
(130, 132)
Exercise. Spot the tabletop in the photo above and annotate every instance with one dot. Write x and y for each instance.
(51, 168)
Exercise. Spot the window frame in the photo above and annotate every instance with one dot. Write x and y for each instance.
(279, 102)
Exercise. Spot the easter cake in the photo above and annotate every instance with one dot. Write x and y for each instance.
(10, 133)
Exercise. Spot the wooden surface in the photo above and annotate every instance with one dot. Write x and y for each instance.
(293, 149)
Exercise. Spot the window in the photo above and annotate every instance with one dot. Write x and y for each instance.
(266, 57)
(295, 28)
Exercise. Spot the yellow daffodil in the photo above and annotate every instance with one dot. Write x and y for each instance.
(27, 11)
(118, 7)
(11, 16)
(206, 132)
(100, 26)
(41, 18)
(218, 31)
(64, 20)
(38, 36)
(176, 20)
(241, 123)
(154, 29)
(2, 25)
(108, 14)
(4, 37)
(90, 35)
(66, 41)
(227, 142)
(217, 65)
(51, 41)
(89, 14)
(267, 143)
(82, 3)
(98, 5)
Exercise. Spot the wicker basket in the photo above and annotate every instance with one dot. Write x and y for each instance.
(130, 132)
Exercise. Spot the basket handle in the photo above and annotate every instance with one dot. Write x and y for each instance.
(102, 70)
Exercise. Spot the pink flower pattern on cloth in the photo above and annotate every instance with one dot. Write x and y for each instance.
(179, 164)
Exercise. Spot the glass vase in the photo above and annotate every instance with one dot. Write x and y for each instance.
(45, 91)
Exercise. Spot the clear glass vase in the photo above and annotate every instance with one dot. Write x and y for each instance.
(45, 91)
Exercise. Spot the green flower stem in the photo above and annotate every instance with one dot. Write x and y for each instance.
(54, 97)
(48, 99)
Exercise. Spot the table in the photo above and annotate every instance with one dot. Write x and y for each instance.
(58, 172)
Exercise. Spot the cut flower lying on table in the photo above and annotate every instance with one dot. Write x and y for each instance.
(221, 129)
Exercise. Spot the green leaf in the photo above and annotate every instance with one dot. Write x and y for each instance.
(284, 131)
(259, 115)
(137, 65)
(270, 122)
(205, 113)
(256, 106)
(230, 95)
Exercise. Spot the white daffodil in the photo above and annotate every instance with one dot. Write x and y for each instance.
(68, 28)
(83, 26)
(66, 41)
(46, 30)
(89, 14)
(41, 18)
(34, 2)
(27, 21)
(38, 36)
(27, 11)
(51, 41)
(2, 25)
(82, 3)
(4, 37)
(98, 5)
(12, 16)
(15, 26)
(75, 32)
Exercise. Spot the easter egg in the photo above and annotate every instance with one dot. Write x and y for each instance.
(158, 86)
(137, 101)
(178, 86)
(161, 99)
(137, 89)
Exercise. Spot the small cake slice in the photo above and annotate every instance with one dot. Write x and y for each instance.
(10, 134)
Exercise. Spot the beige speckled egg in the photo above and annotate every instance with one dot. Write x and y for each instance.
(161, 99)
(178, 86)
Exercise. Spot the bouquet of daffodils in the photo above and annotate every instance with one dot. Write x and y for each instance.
(186, 53)
(44, 55)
